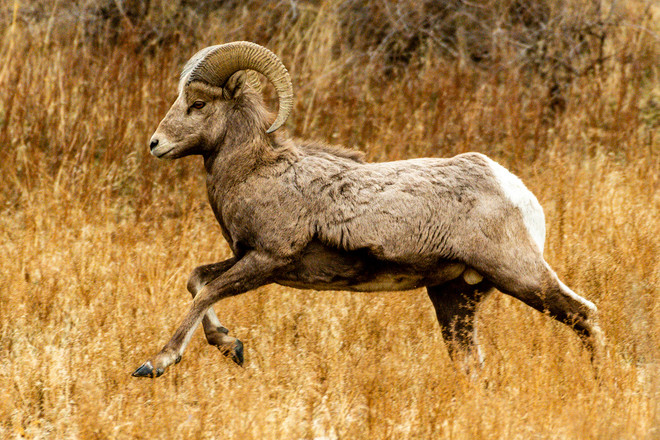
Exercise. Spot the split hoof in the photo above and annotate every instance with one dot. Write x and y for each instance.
(235, 353)
(228, 345)
(238, 353)
(147, 370)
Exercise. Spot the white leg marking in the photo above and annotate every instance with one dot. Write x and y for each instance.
(215, 322)
(577, 297)
(188, 335)
(591, 306)
(524, 200)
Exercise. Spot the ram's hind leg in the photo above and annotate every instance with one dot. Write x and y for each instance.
(216, 334)
(536, 284)
(455, 304)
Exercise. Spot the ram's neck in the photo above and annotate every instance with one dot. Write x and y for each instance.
(229, 167)
(225, 169)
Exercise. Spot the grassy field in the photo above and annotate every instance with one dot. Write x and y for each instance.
(97, 238)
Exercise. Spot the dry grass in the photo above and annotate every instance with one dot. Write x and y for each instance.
(97, 239)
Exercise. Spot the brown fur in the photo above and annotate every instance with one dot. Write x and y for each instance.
(311, 215)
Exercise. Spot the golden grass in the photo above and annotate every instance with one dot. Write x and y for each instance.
(97, 239)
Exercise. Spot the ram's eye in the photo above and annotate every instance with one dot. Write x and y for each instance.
(198, 104)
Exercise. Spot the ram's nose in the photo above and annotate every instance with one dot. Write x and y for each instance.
(153, 143)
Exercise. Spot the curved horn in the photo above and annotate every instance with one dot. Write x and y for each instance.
(215, 64)
(253, 80)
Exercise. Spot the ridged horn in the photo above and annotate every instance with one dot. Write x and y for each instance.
(215, 64)
(253, 80)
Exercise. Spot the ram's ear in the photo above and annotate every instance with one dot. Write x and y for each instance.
(234, 85)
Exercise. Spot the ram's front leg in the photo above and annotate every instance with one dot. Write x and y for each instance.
(216, 333)
(253, 270)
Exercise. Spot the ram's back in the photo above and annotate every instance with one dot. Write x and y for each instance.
(397, 210)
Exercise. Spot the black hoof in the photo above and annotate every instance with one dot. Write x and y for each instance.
(147, 370)
(235, 353)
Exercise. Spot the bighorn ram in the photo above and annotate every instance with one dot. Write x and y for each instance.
(313, 216)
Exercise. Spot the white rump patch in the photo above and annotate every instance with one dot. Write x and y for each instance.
(524, 200)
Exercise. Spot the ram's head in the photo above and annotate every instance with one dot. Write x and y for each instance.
(213, 85)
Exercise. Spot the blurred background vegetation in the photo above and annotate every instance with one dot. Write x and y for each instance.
(97, 237)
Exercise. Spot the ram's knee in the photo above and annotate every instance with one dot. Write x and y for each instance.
(195, 281)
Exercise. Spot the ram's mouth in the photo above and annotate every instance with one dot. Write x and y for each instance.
(162, 150)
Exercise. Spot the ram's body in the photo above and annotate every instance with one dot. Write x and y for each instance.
(308, 215)
(377, 226)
